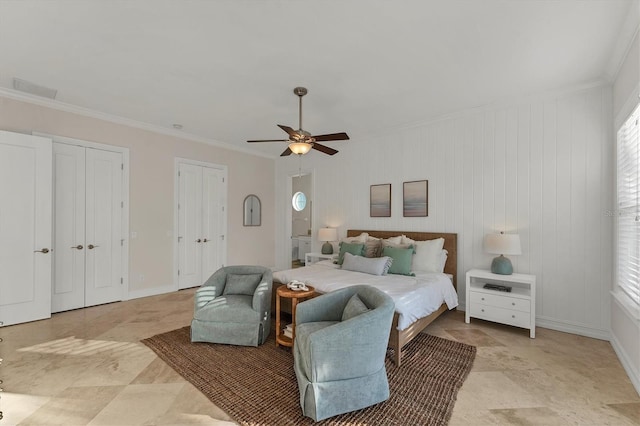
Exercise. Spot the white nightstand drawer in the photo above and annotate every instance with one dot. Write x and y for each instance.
(505, 316)
(505, 302)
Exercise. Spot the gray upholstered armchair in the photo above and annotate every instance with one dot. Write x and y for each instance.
(339, 351)
(234, 307)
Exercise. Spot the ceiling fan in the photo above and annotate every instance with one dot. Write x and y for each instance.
(300, 141)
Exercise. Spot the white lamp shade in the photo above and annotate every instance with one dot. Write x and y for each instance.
(300, 148)
(327, 234)
(502, 244)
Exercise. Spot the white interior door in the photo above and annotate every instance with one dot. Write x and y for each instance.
(212, 223)
(25, 227)
(104, 243)
(189, 226)
(68, 289)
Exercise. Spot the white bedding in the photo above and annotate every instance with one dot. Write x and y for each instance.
(415, 297)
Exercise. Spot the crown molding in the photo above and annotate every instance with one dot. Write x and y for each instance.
(86, 112)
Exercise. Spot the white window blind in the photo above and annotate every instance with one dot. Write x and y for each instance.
(628, 213)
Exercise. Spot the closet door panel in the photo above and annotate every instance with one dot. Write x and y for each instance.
(190, 226)
(212, 214)
(103, 227)
(25, 228)
(69, 219)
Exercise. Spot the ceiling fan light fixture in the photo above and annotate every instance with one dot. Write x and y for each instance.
(300, 148)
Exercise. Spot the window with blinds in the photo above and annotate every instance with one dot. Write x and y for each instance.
(628, 213)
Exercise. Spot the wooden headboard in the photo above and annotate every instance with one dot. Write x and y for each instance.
(450, 244)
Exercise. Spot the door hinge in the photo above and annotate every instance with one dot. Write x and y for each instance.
(121, 166)
(178, 173)
(222, 208)
(178, 206)
(222, 236)
(222, 180)
(178, 272)
(121, 242)
(121, 280)
(121, 204)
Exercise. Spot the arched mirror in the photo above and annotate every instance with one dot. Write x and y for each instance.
(252, 210)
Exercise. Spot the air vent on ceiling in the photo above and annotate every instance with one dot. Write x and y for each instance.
(34, 89)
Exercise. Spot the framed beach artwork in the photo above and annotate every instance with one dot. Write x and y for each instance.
(415, 198)
(380, 200)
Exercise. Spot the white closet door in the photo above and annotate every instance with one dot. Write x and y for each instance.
(25, 228)
(103, 227)
(212, 214)
(189, 226)
(69, 220)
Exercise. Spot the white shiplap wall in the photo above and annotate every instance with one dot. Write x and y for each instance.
(541, 167)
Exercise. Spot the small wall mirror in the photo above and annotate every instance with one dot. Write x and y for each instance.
(252, 211)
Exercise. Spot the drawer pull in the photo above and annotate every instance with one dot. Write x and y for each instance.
(513, 316)
(482, 298)
(513, 303)
(482, 310)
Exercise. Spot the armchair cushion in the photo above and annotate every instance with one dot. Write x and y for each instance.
(355, 306)
(229, 308)
(242, 284)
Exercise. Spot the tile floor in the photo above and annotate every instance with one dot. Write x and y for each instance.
(88, 367)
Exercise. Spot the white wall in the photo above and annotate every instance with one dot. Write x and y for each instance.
(152, 188)
(541, 167)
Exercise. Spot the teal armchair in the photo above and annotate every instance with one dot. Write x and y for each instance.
(339, 351)
(234, 307)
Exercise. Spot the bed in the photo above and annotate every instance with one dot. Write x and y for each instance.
(412, 314)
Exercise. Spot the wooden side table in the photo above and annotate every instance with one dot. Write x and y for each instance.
(295, 296)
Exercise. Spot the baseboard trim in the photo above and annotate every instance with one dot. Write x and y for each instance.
(153, 291)
(633, 374)
(565, 327)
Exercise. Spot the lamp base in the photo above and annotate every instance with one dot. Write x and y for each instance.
(501, 265)
(327, 248)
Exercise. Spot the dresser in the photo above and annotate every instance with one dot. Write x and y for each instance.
(516, 308)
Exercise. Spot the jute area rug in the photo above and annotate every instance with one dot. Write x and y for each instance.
(258, 387)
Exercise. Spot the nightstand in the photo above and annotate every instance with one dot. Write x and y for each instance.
(317, 256)
(517, 307)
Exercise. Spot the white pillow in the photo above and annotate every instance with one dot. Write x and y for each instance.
(368, 265)
(406, 240)
(362, 238)
(443, 260)
(428, 256)
(393, 240)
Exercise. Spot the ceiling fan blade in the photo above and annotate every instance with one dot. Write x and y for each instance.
(285, 152)
(332, 137)
(323, 148)
(287, 129)
(270, 140)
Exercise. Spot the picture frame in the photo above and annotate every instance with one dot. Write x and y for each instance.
(380, 200)
(415, 198)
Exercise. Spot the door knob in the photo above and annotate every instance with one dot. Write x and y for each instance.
(198, 240)
(205, 240)
(79, 247)
(44, 250)
(91, 246)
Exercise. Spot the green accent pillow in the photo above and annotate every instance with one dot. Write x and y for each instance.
(244, 284)
(353, 248)
(355, 306)
(402, 258)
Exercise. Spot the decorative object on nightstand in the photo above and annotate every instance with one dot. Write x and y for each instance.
(502, 244)
(326, 235)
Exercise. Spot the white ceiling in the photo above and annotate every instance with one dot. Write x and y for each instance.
(226, 69)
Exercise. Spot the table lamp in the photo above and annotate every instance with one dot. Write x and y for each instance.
(326, 235)
(502, 244)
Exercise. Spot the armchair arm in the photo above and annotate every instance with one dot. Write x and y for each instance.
(262, 296)
(211, 289)
(328, 307)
